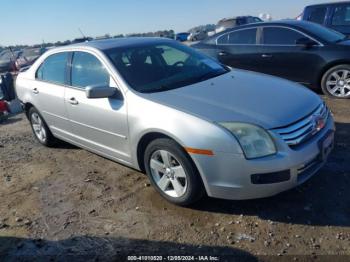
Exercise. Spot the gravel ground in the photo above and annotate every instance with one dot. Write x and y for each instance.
(66, 203)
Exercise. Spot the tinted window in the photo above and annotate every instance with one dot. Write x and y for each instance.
(247, 36)
(280, 36)
(53, 69)
(223, 39)
(87, 70)
(163, 66)
(318, 15)
(341, 16)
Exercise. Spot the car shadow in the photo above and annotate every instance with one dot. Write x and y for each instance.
(86, 248)
(323, 200)
(10, 120)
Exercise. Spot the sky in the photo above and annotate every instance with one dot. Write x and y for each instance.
(35, 21)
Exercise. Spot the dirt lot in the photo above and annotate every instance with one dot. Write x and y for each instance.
(66, 203)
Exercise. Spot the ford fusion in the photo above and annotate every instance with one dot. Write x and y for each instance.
(194, 126)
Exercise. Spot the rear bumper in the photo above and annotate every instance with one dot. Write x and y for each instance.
(230, 176)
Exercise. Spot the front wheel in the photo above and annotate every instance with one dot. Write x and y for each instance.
(336, 82)
(172, 172)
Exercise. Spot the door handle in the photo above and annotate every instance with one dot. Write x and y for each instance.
(73, 101)
(266, 56)
(35, 91)
(222, 53)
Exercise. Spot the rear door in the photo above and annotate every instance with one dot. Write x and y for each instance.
(48, 92)
(98, 124)
(279, 55)
(238, 48)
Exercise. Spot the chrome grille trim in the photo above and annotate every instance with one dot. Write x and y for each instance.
(303, 129)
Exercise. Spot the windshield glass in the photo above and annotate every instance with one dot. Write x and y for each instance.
(163, 66)
(325, 33)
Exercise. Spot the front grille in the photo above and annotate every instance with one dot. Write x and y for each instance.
(304, 129)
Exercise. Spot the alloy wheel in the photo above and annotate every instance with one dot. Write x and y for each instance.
(168, 174)
(338, 83)
(38, 127)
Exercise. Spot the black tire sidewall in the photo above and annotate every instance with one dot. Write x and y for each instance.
(325, 77)
(194, 189)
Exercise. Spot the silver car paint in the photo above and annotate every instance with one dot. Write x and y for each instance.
(114, 127)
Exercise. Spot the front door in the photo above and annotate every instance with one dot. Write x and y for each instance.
(99, 124)
(280, 55)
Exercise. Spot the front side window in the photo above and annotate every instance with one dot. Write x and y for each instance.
(53, 69)
(318, 15)
(341, 16)
(87, 70)
(160, 67)
(280, 36)
(243, 37)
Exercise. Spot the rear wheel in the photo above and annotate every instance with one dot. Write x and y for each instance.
(172, 172)
(336, 82)
(40, 129)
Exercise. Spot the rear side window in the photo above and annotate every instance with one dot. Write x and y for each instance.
(87, 70)
(247, 36)
(53, 69)
(341, 16)
(318, 15)
(280, 36)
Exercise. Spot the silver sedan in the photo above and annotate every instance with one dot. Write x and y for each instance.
(193, 125)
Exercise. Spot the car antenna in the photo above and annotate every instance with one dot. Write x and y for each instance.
(84, 37)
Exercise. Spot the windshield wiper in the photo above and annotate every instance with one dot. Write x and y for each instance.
(211, 75)
(154, 90)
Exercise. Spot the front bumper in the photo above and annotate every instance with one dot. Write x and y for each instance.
(229, 176)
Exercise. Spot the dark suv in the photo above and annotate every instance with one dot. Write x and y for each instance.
(332, 15)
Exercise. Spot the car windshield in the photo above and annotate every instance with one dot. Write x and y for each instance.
(326, 34)
(163, 66)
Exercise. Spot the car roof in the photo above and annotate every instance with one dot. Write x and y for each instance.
(329, 3)
(120, 42)
(291, 23)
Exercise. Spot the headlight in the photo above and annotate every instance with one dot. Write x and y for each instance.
(254, 140)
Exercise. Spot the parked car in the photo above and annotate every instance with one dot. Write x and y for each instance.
(334, 15)
(228, 23)
(7, 60)
(182, 37)
(28, 57)
(300, 51)
(193, 125)
(197, 35)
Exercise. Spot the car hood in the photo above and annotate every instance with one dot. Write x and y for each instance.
(242, 96)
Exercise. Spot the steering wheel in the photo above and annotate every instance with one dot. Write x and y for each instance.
(179, 63)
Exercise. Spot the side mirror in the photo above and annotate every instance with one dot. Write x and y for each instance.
(306, 42)
(99, 91)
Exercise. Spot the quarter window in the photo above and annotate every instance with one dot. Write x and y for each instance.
(280, 36)
(87, 70)
(341, 16)
(318, 15)
(53, 69)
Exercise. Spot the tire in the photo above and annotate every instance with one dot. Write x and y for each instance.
(180, 173)
(40, 129)
(335, 82)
